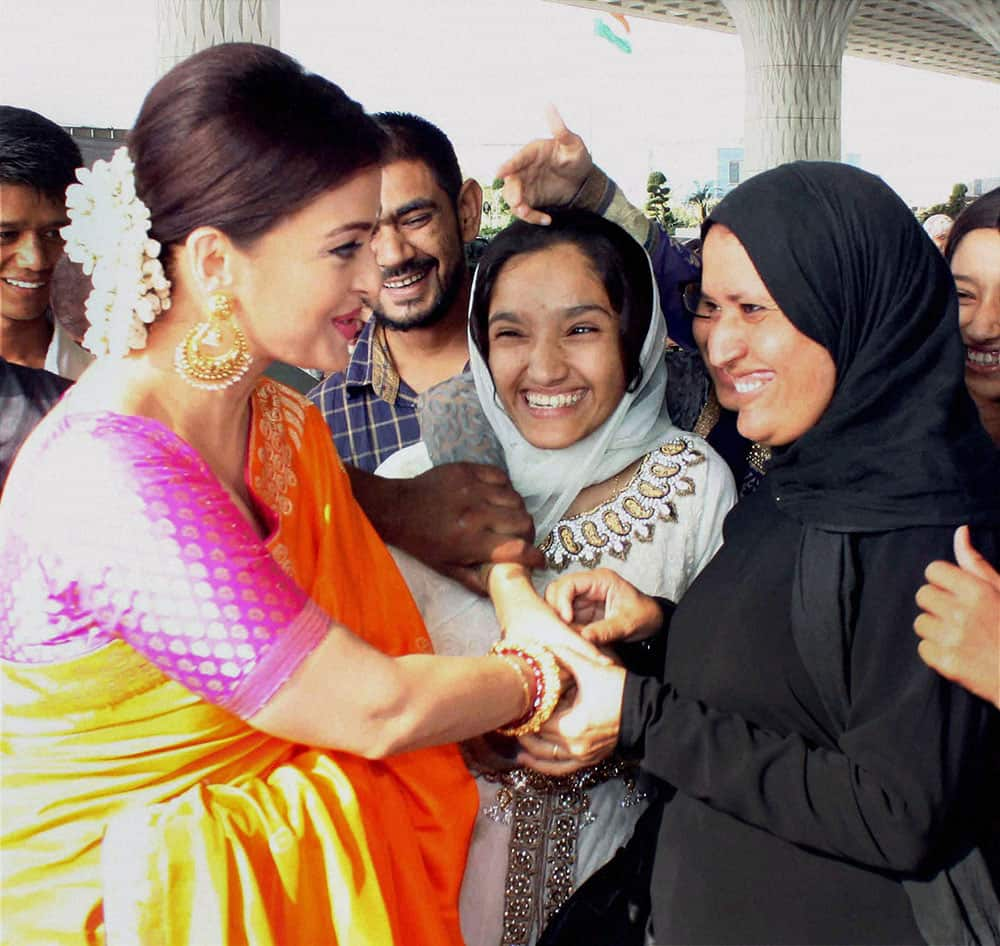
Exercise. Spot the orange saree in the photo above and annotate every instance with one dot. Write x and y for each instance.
(424, 801)
(134, 811)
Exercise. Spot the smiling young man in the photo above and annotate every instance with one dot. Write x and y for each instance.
(38, 160)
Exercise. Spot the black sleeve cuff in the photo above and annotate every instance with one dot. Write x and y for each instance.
(646, 657)
(638, 698)
(667, 607)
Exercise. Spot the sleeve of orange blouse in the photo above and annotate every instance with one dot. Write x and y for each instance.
(180, 574)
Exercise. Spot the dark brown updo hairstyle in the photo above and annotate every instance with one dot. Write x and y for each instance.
(238, 137)
(616, 259)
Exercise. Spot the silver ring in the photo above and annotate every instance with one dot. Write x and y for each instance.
(555, 753)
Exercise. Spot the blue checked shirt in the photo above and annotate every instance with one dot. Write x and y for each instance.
(370, 410)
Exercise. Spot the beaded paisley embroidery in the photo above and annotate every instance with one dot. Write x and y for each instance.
(648, 498)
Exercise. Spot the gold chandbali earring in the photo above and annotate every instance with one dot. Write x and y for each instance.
(215, 353)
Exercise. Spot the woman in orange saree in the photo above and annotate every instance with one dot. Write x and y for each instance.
(220, 705)
(107, 737)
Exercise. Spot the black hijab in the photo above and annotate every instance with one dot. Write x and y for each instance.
(900, 443)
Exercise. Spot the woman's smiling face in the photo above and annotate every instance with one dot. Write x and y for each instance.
(975, 264)
(309, 273)
(778, 378)
(555, 349)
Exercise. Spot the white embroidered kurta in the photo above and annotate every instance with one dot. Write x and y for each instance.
(537, 838)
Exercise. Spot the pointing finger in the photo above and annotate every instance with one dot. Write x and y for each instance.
(555, 121)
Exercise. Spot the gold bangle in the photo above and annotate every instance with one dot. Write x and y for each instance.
(512, 661)
(548, 687)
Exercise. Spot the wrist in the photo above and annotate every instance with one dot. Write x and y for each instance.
(507, 573)
(540, 680)
(485, 571)
(509, 587)
(529, 685)
(591, 191)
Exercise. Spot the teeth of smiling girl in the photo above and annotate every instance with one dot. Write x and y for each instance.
(21, 284)
(988, 359)
(553, 400)
(745, 387)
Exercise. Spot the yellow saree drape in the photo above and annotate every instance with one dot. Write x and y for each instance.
(135, 812)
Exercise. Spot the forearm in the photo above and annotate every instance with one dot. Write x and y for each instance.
(824, 799)
(348, 696)
(603, 196)
(511, 591)
(449, 699)
(451, 517)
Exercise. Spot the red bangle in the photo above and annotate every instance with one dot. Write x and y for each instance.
(534, 686)
(544, 686)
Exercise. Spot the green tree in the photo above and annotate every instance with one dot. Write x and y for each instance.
(703, 199)
(953, 206)
(658, 201)
(957, 201)
(685, 217)
(496, 210)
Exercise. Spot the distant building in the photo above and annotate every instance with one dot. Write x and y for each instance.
(728, 169)
(96, 143)
(982, 185)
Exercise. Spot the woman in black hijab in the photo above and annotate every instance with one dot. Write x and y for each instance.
(821, 770)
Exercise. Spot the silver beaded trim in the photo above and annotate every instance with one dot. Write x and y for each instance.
(631, 514)
(546, 815)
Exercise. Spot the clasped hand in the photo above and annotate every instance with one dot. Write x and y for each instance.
(601, 607)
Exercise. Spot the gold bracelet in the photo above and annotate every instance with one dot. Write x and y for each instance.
(545, 673)
(529, 699)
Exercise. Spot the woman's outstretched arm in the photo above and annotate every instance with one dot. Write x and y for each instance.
(347, 695)
(164, 560)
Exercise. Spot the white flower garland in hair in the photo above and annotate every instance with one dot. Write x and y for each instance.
(109, 235)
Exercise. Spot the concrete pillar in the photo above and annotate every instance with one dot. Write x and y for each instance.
(184, 27)
(793, 50)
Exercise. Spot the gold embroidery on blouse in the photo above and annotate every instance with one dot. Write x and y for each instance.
(280, 414)
(385, 377)
(632, 513)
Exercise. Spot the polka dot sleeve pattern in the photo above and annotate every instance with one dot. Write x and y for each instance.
(159, 556)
